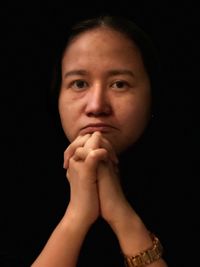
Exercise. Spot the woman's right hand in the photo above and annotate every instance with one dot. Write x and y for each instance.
(82, 176)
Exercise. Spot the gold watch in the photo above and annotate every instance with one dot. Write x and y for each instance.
(145, 257)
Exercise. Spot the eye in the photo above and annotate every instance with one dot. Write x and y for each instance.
(78, 85)
(120, 85)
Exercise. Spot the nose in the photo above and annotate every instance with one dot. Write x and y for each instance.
(98, 102)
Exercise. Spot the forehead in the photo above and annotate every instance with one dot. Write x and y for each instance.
(101, 47)
(101, 38)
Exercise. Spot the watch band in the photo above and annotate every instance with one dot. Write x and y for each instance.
(146, 257)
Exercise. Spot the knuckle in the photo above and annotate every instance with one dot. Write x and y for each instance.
(98, 134)
(79, 150)
(104, 151)
(92, 153)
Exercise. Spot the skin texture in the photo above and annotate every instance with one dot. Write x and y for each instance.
(104, 105)
(101, 93)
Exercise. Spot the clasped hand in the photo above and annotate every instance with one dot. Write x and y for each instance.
(92, 173)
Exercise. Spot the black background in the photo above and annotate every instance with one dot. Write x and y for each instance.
(33, 185)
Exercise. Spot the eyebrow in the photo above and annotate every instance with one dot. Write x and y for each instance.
(120, 72)
(113, 72)
(75, 72)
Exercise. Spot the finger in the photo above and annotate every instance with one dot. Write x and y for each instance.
(78, 142)
(80, 154)
(93, 142)
(107, 145)
(95, 157)
(97, 140)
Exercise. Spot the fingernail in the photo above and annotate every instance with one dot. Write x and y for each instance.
(64, 165)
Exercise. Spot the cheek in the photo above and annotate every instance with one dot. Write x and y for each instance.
(127, 111)
(133, 114)
(67, 116)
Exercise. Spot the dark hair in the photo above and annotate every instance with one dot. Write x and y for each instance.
(120, 24)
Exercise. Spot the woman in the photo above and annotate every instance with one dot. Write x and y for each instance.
(104, 104)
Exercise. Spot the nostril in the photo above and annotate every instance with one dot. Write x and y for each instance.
(103, 113)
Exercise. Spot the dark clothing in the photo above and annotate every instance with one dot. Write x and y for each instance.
(165, 201)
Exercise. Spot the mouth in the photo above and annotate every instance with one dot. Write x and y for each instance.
(94, 127)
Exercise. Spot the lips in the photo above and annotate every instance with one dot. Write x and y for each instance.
(94, 127)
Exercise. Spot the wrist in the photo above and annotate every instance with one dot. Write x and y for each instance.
(131, 232)
(151, 255)
(122, 214)
(77, 219)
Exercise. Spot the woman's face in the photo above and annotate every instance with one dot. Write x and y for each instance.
(105, 88)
